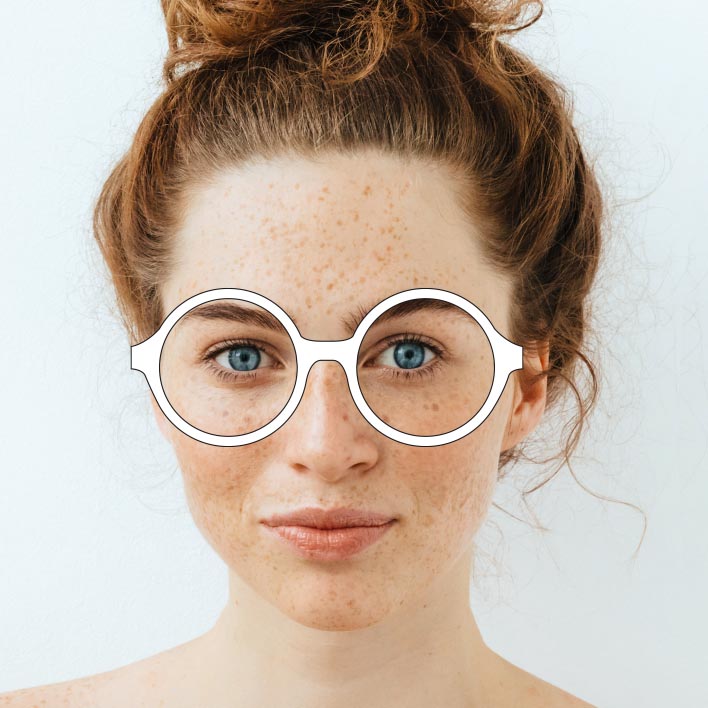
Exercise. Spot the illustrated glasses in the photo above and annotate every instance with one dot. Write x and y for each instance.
(465, 383)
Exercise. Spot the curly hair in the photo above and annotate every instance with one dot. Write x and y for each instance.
(428, 79)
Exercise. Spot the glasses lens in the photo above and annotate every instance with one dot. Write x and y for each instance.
(425, 367)
(228, 367)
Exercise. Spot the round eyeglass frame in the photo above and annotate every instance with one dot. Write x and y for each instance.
(145, 357)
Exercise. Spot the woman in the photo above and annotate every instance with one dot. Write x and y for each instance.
(327, 156)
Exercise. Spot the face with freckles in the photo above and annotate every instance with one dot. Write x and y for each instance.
(319, 239)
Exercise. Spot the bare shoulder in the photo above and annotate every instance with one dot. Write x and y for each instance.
(515, 686)
(67, 694)
(136, 684)
(103, 690)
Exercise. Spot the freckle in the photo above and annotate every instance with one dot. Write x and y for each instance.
(325, 188)
(356, 216)
(435, 407)
(366, 238)
(362, 279)
(308, 302)
(330, 286)
(297, 185)
(367, 190)
(339, 222)
(270, 185)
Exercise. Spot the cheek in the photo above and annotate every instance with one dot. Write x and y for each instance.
(216, 483)
(454, 484)
(459, 493)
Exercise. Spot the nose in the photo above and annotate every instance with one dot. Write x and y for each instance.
(327, 435)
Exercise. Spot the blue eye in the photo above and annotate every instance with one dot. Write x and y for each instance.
(409, 354)
(241, 362)
(243, 358)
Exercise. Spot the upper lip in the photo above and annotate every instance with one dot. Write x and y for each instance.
(329, 518)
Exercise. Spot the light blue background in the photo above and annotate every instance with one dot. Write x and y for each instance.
(100, 562)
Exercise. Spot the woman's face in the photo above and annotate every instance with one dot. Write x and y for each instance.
(319, 239)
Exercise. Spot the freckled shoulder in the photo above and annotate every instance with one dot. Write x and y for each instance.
(148, 683)
(67, 694)
(516, 687)
(127, 685)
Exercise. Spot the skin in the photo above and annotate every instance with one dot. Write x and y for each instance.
(393, 625)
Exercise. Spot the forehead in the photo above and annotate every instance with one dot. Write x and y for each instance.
(323, 238)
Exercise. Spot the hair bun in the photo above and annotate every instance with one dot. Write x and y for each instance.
(202, 31)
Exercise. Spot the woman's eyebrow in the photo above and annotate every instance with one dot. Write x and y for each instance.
(408, 307)
(234, 312)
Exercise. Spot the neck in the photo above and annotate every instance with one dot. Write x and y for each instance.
(426, 651)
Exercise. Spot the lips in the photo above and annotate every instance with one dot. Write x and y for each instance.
(339, 517)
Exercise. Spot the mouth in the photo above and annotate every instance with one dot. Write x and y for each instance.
(329, 544)
(330, 519)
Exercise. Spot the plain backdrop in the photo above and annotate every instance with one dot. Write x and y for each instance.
(100, 562)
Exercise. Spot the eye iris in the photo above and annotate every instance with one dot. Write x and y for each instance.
(244, 357)
(413, 355)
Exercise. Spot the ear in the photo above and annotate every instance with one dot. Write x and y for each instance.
(529, 397)
(162, 422)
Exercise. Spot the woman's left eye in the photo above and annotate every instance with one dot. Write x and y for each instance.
(405, 357)
(406, 354)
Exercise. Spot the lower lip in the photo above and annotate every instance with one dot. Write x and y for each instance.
(329, 544)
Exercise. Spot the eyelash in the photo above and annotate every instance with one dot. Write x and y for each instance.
(242, 377)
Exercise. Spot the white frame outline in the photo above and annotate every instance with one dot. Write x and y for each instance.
(145, 357)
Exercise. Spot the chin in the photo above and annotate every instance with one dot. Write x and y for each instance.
(336, 619)
(334, 603)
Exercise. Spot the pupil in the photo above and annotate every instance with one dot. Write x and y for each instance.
(413, 355)
(245, 356)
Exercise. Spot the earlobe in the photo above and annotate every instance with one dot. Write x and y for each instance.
(529, 400)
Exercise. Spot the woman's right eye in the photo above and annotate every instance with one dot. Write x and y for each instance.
(241, 357)
(239, 361)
